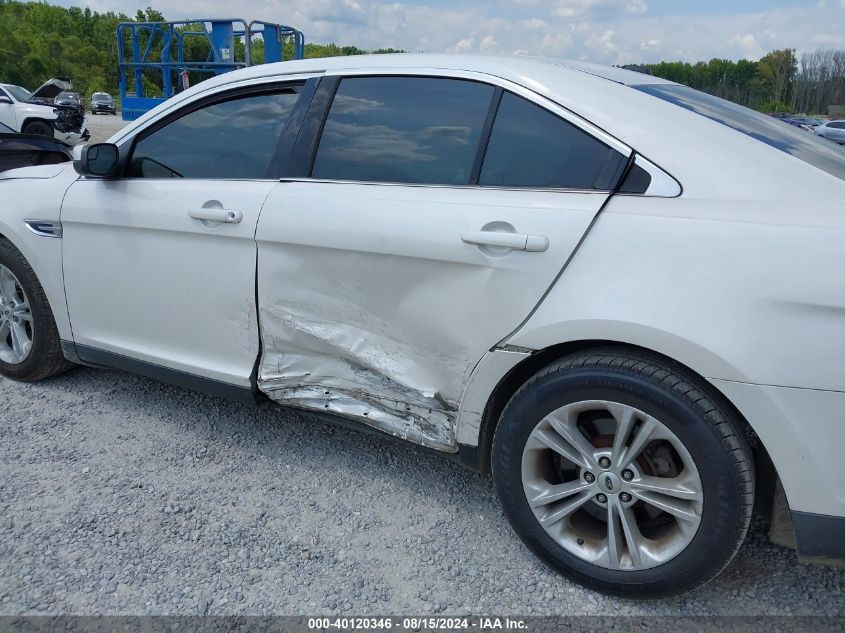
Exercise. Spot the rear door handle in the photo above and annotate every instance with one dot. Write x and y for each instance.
(516, 241)
(226, 216)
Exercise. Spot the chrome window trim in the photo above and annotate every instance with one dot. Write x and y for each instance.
(331, 181)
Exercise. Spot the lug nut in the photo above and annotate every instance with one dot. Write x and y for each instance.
(604, 462)
(601, 498)
(627, 475)
(589, 477)
(625, 497)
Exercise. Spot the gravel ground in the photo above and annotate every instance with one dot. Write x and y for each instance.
(102, 126)
(119, 495)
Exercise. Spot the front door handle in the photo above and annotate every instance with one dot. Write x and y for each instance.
(225, 216)
(516, 241)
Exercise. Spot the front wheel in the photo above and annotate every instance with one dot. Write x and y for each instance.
(30, 347)
(39, 128)
(624, 472)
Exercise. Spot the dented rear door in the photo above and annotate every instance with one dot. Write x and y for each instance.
(376, 299)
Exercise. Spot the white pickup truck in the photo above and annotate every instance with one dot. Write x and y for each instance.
(36, 113)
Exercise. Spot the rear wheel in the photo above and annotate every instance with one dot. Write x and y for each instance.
(30, 347)
(624, 472)
(39, 128)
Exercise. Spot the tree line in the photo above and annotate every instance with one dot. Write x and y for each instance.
(779, 82)
(39, 41)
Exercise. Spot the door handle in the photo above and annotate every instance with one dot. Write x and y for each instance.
(515, 241)
(225, 216)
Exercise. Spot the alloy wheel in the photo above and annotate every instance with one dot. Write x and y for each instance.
(16, 326)
(612, 485)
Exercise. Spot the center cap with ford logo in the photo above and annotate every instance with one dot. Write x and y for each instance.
(610, 483)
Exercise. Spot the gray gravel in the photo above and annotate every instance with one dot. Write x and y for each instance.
(102, 126)
(119, 495)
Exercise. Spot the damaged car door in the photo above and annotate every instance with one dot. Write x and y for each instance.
(421, 220)
(174, 238)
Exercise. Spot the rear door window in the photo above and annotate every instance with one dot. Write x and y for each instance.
(533, 148)
(414, 130)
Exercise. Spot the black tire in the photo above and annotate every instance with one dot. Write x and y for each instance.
(689, 408)
(45, 358)
(39, 128)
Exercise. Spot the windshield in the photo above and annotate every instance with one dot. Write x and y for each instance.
(18, 93)
(100, 96)
(789, 139)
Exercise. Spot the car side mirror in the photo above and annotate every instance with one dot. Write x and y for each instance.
(6, 100)
(99, 160)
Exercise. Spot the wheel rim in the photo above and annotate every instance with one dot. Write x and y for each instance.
(612, 485)
(16, 327)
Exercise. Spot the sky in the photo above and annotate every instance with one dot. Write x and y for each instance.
(603, 31)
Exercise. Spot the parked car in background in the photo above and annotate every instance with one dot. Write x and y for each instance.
(635, 324)
(805, 122)
(26, 150)
(38, 113)
(833, 130)
(69, 99)
(103, 103)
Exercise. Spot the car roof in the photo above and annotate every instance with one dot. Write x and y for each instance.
(499, 65)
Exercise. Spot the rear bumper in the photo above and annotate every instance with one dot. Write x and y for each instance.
(803, 431)
(819, 539)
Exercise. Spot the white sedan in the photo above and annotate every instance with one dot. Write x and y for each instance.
(622, 297)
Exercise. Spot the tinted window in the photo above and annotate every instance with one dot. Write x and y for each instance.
(773, 132)
(403, 129)
(531, 147)
(637, 181)
(229, 139)
(839, 126)
(18, 93)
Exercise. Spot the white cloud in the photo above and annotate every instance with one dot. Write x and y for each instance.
(534, 24)
(604, 31)
(555, 44)
(747, 41)
(488, 44)
(636, 7)
(603, 44)
(464, 45)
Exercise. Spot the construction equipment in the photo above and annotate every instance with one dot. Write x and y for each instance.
(163, 58)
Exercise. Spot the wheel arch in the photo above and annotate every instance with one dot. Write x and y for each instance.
(47, 267)
(765, 471)
(35, 119)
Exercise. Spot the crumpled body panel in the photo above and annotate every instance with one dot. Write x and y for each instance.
(346, 363)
